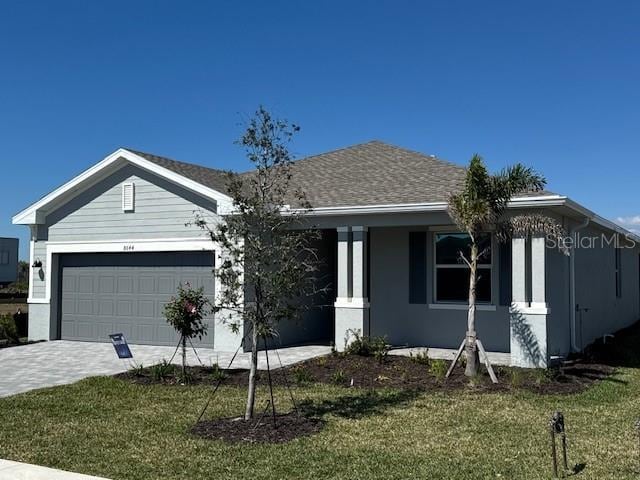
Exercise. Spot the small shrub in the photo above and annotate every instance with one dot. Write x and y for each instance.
(162, 371)
(8, 329)
(338, 377)
(321, 361)
(137, 370)
(301, 375)
(543, 376)
(516, 377)
(368, 346)
(217, 373)
(438, 368)
(422, 357)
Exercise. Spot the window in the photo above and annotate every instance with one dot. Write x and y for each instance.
(4, 257)
(452, 273)
(417, 267)
(618, 268)
(128, 197)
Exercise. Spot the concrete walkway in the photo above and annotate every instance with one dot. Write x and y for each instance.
(60, 362)
(23, 471)
(496, 358)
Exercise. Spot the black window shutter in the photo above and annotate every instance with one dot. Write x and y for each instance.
(417, 267)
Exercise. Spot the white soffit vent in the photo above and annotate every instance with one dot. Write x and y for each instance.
(128, 197)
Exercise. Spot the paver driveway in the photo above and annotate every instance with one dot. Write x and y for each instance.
(61, 362)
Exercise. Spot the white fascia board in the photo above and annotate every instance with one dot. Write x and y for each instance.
(601, 221)
(519, 202)
(32, 215)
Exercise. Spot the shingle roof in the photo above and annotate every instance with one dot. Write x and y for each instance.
(375, 173)
(209, 177)
(372, 173)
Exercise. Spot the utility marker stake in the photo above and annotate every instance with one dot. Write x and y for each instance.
(556, 427)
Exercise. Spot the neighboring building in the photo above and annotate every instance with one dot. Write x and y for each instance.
(113, 245)
(8, 261)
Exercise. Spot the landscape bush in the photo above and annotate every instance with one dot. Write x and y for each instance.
(366, 346)
(438, 368)
(421, 357)
(8, 329)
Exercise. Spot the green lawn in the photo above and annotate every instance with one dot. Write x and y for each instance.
(107, 427)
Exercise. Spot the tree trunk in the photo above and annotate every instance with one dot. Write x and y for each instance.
(251, 395)
(471, 349)
(184, 359)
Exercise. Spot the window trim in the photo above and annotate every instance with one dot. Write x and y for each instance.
(483, 266)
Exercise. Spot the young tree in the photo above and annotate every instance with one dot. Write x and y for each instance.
(184, 313)
(269, 262)
(480, 207)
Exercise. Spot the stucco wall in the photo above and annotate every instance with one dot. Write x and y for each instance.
(403, 323)
(316, 323)
(596, 288)
(557, 295)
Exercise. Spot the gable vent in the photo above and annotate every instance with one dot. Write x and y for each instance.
(128, 197)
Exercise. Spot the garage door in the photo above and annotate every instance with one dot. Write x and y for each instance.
(108, 293)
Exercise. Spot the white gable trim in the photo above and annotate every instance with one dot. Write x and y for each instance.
(32, 215)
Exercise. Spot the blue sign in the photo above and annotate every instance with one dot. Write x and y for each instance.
(121, 346)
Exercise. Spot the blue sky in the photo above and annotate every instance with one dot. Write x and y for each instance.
(551, 84)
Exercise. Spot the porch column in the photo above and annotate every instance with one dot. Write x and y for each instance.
(352, 303)
(538, 284)
(359, 255)
(343, 268)
(528, 314)
(519, 272)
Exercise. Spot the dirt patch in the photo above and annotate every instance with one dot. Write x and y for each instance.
(287, 427)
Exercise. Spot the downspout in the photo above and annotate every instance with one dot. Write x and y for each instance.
(572, 283)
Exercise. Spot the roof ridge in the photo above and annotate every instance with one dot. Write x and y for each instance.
(197, 165)
(416, 152)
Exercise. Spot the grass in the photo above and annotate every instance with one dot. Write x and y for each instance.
(112, 428)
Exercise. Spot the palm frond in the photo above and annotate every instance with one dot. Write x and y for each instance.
(533, 224)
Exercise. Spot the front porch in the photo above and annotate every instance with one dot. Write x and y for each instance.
(400, 282)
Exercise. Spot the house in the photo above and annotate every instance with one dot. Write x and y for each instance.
(113, 245)
(8, 261)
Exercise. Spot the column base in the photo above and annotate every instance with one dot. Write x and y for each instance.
(351, 318)
(528, 332)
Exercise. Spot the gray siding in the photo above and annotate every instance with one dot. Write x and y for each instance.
(38, 276)
(161, 211)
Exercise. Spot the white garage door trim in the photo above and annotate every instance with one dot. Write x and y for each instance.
(120, 246)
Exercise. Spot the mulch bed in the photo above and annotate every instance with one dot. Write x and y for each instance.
(395, 372)
(598, 363)
(234, 430)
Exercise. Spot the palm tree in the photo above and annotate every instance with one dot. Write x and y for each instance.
(481, 206)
